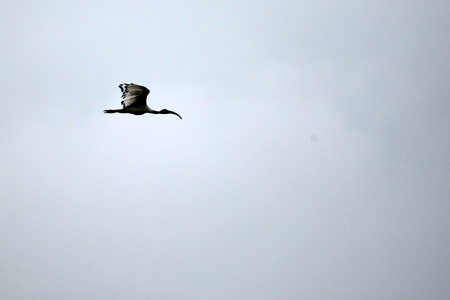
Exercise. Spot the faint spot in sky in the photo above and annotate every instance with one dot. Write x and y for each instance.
(313, 137)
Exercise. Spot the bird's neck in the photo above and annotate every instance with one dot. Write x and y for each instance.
(149, 110)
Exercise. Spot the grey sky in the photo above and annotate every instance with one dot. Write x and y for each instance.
(312, 161)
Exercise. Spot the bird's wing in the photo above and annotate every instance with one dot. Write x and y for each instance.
(133, 95)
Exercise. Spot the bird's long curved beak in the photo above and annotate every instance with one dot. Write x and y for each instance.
(174, 113)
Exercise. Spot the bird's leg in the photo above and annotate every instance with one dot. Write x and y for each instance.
(111, 111)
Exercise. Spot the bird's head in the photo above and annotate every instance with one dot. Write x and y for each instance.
(166, 111)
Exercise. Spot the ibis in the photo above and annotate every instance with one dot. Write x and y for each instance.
(135, 101)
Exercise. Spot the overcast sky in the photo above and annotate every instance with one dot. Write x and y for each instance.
(312, 161)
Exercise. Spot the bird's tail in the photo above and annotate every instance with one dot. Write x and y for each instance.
(111, 111)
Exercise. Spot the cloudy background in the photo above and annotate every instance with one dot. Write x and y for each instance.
(312, 161)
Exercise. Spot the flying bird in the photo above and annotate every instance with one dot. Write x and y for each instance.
(135, 101)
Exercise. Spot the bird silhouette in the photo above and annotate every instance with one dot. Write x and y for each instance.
(135, 101)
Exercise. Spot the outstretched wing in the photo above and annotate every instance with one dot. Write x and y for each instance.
(133, 95)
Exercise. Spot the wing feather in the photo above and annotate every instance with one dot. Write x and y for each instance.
(133, 95)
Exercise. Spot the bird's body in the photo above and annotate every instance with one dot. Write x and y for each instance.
(135, 101)
(131, 110)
